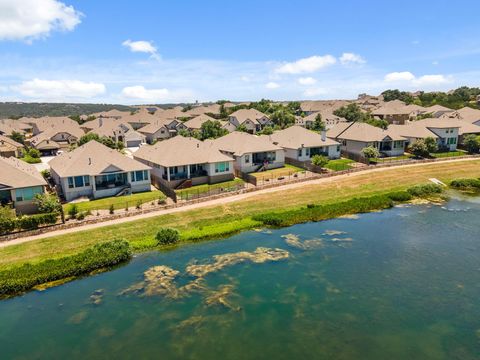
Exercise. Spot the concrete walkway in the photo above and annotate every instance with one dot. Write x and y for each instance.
(215, 202)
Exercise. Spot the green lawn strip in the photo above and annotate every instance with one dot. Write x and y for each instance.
(120, 202)
(232, 216)
(339, 164)
(205, 188)
(449, 154)
(273, 173)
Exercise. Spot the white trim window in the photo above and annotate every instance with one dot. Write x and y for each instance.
(221, 167)
(139, 175)
(78, 181)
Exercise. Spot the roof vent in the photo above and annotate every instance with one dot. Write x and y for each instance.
(89, 161)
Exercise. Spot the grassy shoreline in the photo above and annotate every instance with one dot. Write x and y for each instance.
(226, 219)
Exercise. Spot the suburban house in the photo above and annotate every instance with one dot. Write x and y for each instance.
(395, 112)
(446, 132)
(466, 114)
(437, 111)
(310, 107)
(253, 120)
(47, 123)
(355, 136)
(251, 153)
(95, 171)
(118, 131)
(114, 113)
(19, 183)
(52, 139)
(302, 144)
(204, 109)
(8, 126)
(184, 162)
(328, 118)
(161, 129)
(197, 122)
(9, 147)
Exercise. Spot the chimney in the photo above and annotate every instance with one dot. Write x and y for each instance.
(324, 135)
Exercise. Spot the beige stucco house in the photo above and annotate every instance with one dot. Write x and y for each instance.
(253, 120)
(19, 183)
(96, 171)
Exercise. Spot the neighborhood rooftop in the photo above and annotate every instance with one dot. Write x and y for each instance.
(18, 174)
(239, 143)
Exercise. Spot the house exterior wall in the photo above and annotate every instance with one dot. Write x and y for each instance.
(247, 167)
(160, 134)
(333, 152)
(26, 206)
(447, 138)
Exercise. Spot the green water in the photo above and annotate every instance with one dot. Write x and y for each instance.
(400, 284)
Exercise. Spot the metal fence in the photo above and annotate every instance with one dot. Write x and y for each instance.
(204, 192)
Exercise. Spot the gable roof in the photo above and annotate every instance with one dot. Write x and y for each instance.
(322, 105)
(296, 137)
(179, 151)
(239, 143)
(5, 140)
(243, 115)
(92, 158)
(196, 122)
(361, 132)
(18, 174)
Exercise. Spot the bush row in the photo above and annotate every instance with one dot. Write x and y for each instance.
(7, 225)
(314, 212)
(466, 184)
(20, 279)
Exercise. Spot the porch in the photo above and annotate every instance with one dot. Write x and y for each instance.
(174, 173)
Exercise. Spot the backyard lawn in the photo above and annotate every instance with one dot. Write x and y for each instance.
(449, 154)
(339, 164)
(276, 173)
(120, 202)
(205, 188)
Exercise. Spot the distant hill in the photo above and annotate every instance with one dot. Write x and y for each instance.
(18, 109)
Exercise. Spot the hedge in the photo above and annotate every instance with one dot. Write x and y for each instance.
(425, 190)
(8, 225)
(23, 278)
(465, 184)
(167, 236)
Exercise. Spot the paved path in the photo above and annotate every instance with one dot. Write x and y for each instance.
(215, 202)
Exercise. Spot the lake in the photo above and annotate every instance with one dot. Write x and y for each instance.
(398, 284)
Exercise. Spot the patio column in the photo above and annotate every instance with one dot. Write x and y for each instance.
(94, 185)
(168, 173)
(188, 171)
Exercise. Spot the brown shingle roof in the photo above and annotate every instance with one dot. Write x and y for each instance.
(18, 174)
(179, 151)
(296, 137)
(239, 143)
(361, 132)
(92, 158)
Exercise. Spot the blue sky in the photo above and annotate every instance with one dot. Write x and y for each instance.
(174, 51)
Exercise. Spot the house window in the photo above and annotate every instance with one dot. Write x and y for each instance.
(397, 144)
(222, 167)
(78, 181)
(86, 180)
(70, 183)
(338, 148)
(26, 194)
(140, 175)
(247, 158)
(299, 152)
(307, 150)
(451, 141)
(344, 142)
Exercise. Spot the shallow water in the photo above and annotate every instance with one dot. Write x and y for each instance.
(400, 284)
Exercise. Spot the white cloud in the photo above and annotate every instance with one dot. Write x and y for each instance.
(431, 80)
(306, 81)
(141, 46)
(59, 89)
(399, 76)
(306, 65)
(408, 78)
(33, 19)
(142, 94)
(245, 78)
(351, 58)
(272, 85)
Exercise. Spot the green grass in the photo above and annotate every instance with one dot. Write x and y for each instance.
(205, 188)
(287, 170)
(339, 164)
(449, 154)
(233, 216)
(119, 202)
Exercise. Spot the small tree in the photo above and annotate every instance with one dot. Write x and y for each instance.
(48, 203)
(18, 137)
(319, 160)
(167, 236)
(72, 211)
(319, 124)
(267, 130)
(472, 143)
(370, 152)
(431, 144)
(242, 128)
(419, 149)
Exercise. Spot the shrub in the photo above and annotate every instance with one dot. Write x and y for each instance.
(72, 211)
(111, 209)
(400, 196)
(81, 215)
(34, 221)
(431, 144)
(370, 152)
(167, 236)
(20, 279)
(319, 160)
(419, 149)
(162, 201)
(425, 190)
(7, 225)
(472, 143)
(465, 184)
(47, 203)
(138, 206)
